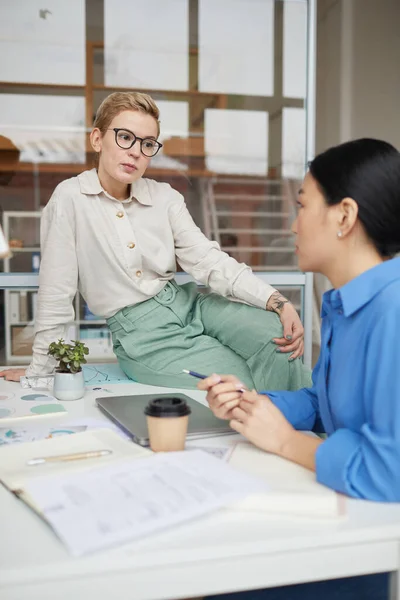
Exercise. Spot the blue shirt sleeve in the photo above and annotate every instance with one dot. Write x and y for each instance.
(366, 463)
(300, 408)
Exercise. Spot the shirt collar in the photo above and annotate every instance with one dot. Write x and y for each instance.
(362, 289)
(90, 185)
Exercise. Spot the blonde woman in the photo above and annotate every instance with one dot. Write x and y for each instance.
(117, 237)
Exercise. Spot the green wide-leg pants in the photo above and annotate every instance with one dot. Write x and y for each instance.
(181, 328)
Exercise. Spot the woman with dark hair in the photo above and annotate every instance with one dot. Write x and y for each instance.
(347, 228)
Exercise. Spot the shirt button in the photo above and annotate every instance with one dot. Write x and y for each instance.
(131, 245)
(120, 214)
(138, 273)
(340, 311)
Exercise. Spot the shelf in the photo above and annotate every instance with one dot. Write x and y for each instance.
(28, 249)
(254, 249)
(103, 352)
(25, 360)
(45, 86)
(76, 168)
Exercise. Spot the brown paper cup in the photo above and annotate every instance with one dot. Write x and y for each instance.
(167, 434)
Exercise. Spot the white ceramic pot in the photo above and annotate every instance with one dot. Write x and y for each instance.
(69, 386)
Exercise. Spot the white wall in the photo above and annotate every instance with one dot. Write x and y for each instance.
(358, 79)
(329, 14)
(358, 71)
(376, 70)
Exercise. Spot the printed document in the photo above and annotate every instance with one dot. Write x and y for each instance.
(124, 501)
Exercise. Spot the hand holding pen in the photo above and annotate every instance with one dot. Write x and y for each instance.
(224, 392)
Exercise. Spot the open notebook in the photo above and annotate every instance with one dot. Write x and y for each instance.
(293, 490)
(95, 503)
(16, 474)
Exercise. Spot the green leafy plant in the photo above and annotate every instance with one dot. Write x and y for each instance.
(70, 357)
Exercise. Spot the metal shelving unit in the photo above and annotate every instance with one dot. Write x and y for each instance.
(19, 331)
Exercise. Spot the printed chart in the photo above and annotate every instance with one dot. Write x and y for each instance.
(18, 405)
(13, 435)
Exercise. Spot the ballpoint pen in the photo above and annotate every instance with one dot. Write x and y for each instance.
(200, 376)
(194, 374)
(68, 457)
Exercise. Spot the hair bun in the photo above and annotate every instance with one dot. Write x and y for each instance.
(389, 250)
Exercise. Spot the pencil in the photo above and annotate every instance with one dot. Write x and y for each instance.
(68, 457)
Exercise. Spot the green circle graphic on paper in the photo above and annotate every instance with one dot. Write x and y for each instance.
(43, 409)
(36, 397)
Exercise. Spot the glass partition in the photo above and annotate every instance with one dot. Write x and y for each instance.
(230, 79)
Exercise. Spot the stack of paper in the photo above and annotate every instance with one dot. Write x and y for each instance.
(292, 489)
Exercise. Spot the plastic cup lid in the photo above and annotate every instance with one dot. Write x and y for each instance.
(167, 407)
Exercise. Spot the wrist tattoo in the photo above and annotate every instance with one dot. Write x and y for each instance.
(276, 302)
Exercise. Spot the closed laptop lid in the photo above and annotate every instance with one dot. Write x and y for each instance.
(128, 413)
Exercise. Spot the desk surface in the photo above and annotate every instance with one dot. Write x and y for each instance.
(222, 552)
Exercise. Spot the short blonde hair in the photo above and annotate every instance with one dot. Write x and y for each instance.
(119, 101)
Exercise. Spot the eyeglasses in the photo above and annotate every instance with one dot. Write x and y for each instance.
(126, 139)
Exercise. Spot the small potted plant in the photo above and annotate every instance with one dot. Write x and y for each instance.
(69, 383)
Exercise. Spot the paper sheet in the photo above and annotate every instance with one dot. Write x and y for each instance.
(221, 452)
(121, 502)
(25, 403)
(15, 471)
(104, 373)
(91, 423)
(16, 435)
(293, 491)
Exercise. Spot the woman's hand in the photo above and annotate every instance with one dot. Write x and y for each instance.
(12, 374)
(293, 331)
(261, 422)
(223, 394)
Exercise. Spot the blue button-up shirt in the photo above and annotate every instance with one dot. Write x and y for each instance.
(356, 387)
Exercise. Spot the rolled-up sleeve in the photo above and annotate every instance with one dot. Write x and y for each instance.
(299, 408)
(58, 281)
(366, 464)
(207, 263)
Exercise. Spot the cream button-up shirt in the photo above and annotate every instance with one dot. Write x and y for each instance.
(119, 253)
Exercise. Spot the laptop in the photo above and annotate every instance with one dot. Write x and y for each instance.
(128, 413)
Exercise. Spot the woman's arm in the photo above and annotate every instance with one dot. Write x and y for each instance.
(207, 263)
(300, 408)
(362, 464)
(58, 280)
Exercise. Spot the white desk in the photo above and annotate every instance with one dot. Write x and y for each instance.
(223, 552)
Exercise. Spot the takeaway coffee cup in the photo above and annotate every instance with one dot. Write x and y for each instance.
(167, 422)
